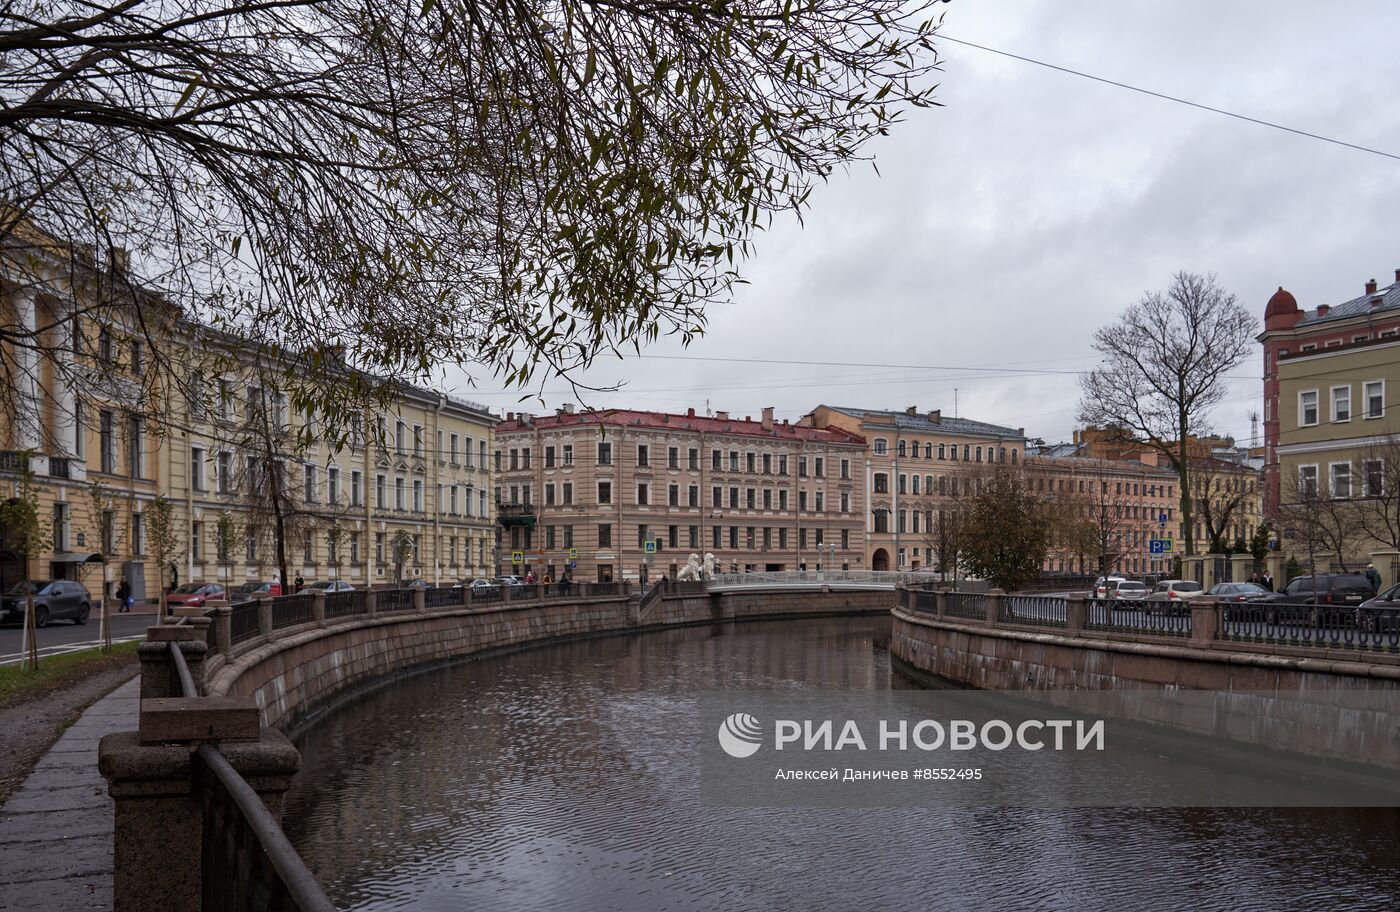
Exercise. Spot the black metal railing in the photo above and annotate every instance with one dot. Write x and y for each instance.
(243, 621)
(290, 610)
(486, 595)
(393, 600)
(653, 593)
(1316, 626)
(925, 602)
(247, 862)
(603, 589)
(969, 605)
(526, 592)
(1037, 610)
(345, 604)
(444, 597)
(1157, 618)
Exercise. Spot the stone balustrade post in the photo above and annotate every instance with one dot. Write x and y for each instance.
(265, 616)
(505, 592)
(942, 602)
(1206, 615)
(1076, 613)
(318, 608)
(994, 606)
(221, 629)
(158, 786)
(420, 600)
(158, 675)
(371, 603)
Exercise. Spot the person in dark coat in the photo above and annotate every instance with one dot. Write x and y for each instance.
(299, 583)
(1373, 576)
(124, 595)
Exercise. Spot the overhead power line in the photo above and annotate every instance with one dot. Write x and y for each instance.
(1172, 98)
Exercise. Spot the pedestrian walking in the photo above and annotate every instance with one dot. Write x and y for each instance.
(299, 583)
(1373, 576)
(1268, 581)
(124, 598)
(566, 581)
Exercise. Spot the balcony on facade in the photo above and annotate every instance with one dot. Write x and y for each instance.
(515, 514)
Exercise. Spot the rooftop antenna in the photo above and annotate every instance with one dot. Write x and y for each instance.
(1253, 429)
(955, 402)
(708, 413)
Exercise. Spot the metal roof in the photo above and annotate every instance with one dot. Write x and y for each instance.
(1356, 307)
(945, 424)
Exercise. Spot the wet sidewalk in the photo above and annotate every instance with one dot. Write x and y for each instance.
(56, 829)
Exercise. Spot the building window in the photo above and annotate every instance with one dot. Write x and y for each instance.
(693, 496)
(568, 454)
(673, 458)
(643, 494)
(1307, 408)
(107, 436)
(549, 457)
(399, 490)
(694, 460)
(604, 456)
(1307, 481)
(605, 492)
(224, 467)
(882, 483)
(197, 468)
(882, 446)
(1375, 398)
(1341, 479)
(381, 494)
(673, 495)
(845, 468)
(356, 484)
(568, 493)
(1341, 403)
(882, 520)
(197, 541)
(643, 455)
(310, 483)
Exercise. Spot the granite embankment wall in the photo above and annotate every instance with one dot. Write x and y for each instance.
(300, 672)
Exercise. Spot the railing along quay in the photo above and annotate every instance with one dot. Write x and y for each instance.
(1203, 622)
(221, 846)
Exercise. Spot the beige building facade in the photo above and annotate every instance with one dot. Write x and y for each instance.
(915, 465)
(595, 487)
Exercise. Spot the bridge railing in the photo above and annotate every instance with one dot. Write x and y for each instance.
(886, 579)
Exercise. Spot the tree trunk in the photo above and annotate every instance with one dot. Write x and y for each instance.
(1183, 472)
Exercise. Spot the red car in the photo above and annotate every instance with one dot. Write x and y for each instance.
(194, 595)
(253, 589)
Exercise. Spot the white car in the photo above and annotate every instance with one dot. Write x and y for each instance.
(329, 586)
(1173, 595)
(1103, 587)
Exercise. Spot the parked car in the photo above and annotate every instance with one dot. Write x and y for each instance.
(1127, 591)
(253, 589)
(1104, 583)
(194, 595)
(477, 583)
(1380, 614)
(416, 583)
(329, 586)
(53, 600)
(1295, 601)
(1173, 595)
(510, 581)
(1238, 592)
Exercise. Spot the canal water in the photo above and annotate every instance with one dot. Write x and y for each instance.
(550, 779)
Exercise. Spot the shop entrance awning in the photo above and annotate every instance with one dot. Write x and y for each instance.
(78, 557)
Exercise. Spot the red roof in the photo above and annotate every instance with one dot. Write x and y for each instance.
(690, 422)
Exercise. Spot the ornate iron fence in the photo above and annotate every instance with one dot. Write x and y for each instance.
(484, 595)
(290, 610)
(243, 621)
(393, 600)
(969, 605)
(345, 604)
(444, 597)
(1038, 610)
(1172, 619)
(925, 602)
(1317, 626)
(604, 588)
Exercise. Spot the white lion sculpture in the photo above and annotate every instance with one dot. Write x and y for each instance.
(691, 571)
(708, 570)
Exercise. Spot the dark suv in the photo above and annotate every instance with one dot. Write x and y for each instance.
(1295, 600)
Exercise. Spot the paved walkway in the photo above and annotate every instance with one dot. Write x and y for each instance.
(56, 829)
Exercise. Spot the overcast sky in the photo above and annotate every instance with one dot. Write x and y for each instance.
(1007, 225)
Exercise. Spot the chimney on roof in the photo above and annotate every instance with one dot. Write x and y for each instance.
(935, 416)
(1397, 275)
(1371, 287)
(722, 416)
(912, 411)
(510, 416)
(1323, 309)
(690, 413)
(568, 408)
(768, 418)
